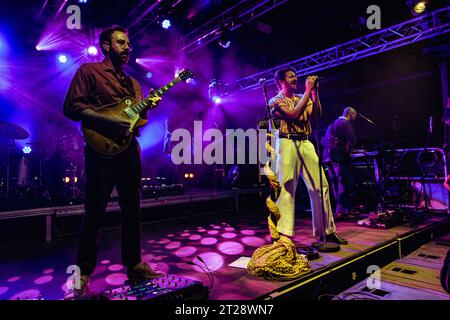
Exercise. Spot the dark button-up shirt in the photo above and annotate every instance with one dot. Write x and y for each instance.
(98, 86)
(342, 129)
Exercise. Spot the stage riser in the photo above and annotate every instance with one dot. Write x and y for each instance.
(413, 242)
(395, 292)
(415, 277)
(334, 279)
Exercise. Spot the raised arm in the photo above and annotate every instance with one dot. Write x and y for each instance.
(281, 110)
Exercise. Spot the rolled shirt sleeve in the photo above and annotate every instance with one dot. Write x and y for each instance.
(77, 97)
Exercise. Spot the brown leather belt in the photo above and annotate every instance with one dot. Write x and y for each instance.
(294, 136)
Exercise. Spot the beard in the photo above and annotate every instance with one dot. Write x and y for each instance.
(120, 58)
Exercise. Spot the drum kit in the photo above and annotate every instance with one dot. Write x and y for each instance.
(41, 172)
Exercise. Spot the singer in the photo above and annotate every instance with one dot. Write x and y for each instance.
(339, 139)
(297, 156)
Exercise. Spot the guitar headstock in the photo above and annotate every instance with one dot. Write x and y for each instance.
(185, 74)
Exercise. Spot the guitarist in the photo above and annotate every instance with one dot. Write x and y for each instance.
(339, 139)
(95, 87)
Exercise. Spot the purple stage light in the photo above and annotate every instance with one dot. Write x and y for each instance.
(3, 45)
(166, 24)
(62, 58)
(149, 75)
(92, 50)
(216, 99)
(225, 44)
(26, 150)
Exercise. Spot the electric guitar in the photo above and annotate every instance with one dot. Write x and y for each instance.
(110, 142)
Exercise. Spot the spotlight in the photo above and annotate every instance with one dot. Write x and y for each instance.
(420, 7)
(82, 1)
(26, 150)
(224, 37)
(191, 175)
(92, 50)
(166, 24)
(66, 179)
(62, 58)
(216, 99)
(38, 47)
(417, 6)
(75, 179)
(216, 91)
(186, 175)
(149, 75)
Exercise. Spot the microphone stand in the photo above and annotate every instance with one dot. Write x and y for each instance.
(322, 246)
(270, 122)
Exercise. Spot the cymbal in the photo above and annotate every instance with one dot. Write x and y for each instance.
(12, 131)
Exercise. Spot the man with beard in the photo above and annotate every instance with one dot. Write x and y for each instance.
(96, 87)
(297, 156)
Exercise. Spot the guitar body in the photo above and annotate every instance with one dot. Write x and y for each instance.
(105, 140)
(112, 142)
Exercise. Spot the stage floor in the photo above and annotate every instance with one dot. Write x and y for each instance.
(32, 269)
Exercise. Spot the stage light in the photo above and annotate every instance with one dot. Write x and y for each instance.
(417, 7)
(216, 91)
(186, 175)
(224, 37)
(75, 179)
(82, 1)
(38, 47)
(420, 7)
(3, 45)
(225, 44)
(216, 99)
(149, 75)
(62, 58)
(66, 179)
(26, 150)
(191, 175)
(166, 24)
(92, 50)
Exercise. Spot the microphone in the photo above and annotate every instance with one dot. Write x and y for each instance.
(365, 118)
(262, 81)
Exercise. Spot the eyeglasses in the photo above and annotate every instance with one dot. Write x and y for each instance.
(123, 43)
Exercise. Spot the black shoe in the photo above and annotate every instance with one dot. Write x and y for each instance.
(335, 238)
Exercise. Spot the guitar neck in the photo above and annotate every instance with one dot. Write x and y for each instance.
(146, 103)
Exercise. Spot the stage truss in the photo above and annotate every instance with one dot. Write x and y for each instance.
(427, 26)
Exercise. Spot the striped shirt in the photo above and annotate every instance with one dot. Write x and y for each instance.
(301, 124)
